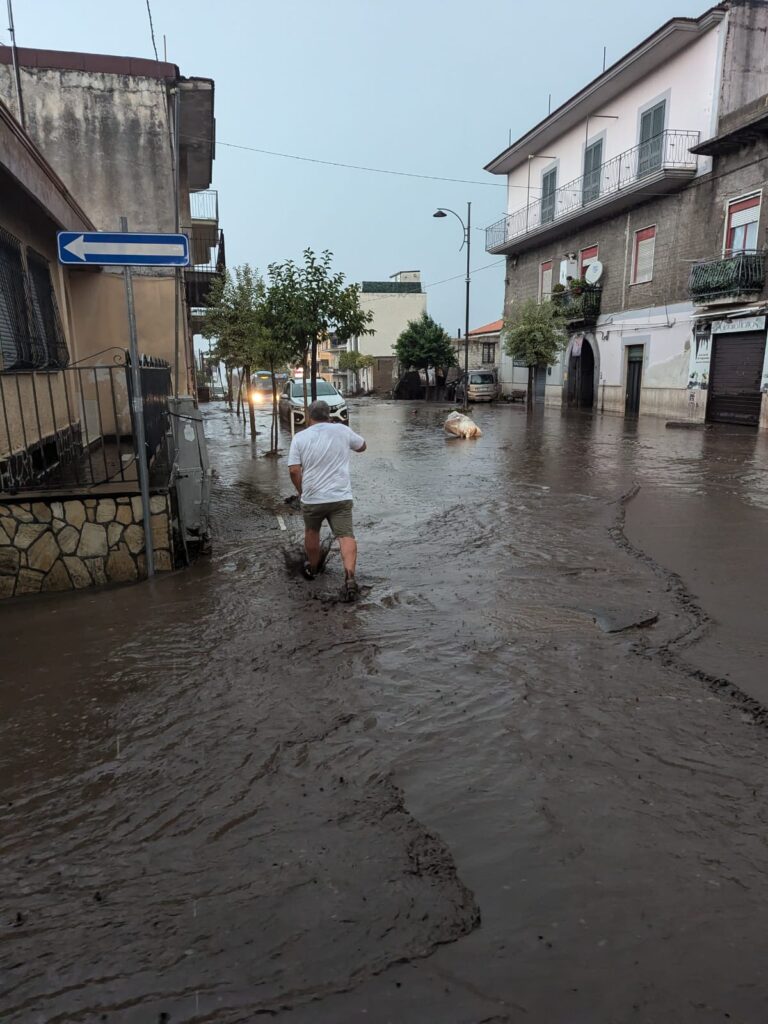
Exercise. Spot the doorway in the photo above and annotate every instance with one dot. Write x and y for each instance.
(634, 380)
(735, 374)
(581, 374)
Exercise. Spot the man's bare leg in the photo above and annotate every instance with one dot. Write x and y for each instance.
(312, 548)
(348, 547)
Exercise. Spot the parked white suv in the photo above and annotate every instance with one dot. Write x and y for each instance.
(292, 401)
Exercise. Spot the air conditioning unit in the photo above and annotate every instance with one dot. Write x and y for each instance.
(569, 267)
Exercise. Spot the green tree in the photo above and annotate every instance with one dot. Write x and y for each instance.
(355, 362)
(534, 335)
(424, 343)
(311, 302)
(236, 321)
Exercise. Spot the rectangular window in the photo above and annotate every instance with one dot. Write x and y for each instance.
(548, 196)
(15, 334)
(587, 256)
(645, 247)
(545, 280)
(741, 228)
(651, 139)
(593, 159)
(50, 344)
(488, 354)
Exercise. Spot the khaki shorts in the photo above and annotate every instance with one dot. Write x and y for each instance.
(338, 514)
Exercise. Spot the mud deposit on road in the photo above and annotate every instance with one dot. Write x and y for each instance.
(464, 799)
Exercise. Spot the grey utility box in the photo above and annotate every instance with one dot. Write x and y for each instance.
(191, 472)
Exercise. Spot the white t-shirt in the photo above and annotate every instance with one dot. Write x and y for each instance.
(322, 451)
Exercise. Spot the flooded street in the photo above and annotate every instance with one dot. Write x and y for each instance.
(523, 779)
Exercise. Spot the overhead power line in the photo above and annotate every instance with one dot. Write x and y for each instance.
(358, 167)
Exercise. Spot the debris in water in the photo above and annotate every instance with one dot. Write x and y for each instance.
(461, 426)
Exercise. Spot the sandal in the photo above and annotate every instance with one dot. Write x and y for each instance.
(306, 571)
(351, 590)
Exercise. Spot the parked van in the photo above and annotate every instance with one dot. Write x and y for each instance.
(483, 386)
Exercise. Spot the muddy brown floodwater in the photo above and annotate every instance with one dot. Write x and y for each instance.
(523, 779)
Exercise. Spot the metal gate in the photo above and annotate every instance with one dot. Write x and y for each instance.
(734, 378)
(634, 380)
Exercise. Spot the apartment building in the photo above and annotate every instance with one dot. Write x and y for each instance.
(637, 206)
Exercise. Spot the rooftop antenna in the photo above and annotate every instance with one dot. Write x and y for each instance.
(165, 48)
(605, 48)
(549, 105)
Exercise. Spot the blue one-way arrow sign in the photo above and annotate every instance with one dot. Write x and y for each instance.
(123, 249)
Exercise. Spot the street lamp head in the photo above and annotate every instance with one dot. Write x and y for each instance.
(439, 213)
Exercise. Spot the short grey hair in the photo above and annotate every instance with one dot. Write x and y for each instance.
(320, 411)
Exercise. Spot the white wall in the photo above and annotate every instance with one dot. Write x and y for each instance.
(666, 334)
(689, 79)
(391, 314)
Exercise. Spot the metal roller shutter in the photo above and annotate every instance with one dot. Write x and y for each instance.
(734, 380)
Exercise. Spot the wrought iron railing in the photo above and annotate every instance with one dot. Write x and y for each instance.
(582, 305)
(741, 273)
(668, 151)
(204, 205)
(75, 427)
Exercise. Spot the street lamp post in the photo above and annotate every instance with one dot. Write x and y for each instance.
(442, 211)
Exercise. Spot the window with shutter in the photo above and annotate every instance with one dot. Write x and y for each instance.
(743, 220)
(587, 256)
(645, 247)
(545, 280)
(15, 333)
(548, 197)
(593, 159)
(651, 139)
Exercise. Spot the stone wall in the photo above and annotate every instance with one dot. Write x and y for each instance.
(71, 544)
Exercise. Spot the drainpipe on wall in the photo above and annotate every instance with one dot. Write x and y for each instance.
(16, 71)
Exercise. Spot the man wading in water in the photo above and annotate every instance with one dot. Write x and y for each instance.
(319, 466)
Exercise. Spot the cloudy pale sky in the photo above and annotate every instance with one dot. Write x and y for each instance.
(431, 87)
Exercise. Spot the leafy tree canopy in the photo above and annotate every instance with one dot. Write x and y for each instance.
(534, 334)
(355, 361)
(424, 343)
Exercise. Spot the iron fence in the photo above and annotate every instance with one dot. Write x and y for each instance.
(738, 274)
(581, 306)
(670, 150)
(75, 427)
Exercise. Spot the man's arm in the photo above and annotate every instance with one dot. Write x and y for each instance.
(296, 475)
(356, 443)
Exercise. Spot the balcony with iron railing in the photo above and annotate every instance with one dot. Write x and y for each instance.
(579, 305)
(662, 164)
(735, 276)
(209, 259)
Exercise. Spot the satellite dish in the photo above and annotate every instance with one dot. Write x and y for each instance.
(594, 272)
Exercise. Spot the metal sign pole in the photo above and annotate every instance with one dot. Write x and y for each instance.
(140, 441)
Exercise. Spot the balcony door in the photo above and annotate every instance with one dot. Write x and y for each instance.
(651, 139)
(593, 160)
(548, 197)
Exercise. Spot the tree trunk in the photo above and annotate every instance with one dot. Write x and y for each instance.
(313, 369)
(273, 430)
(228, 375)
(529, 401)
(239, 392)
(304, 380)
(247, 400)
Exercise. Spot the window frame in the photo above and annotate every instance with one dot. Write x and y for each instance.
(729, 203)
(592, 193)
(635, 249)
(491, 346)
(588, 248)
(550, 264)
(548, 172)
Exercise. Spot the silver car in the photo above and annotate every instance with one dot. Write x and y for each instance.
(292, 401)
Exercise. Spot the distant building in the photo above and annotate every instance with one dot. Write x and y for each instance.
(394, 303)
(484, 347)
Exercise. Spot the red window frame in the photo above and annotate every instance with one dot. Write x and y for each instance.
(752, 202)
(547, 265)
(590, 253)
(641, 236)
